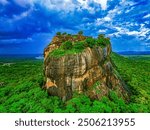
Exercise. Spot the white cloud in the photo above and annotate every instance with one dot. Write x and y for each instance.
(24, 3)
(147, 22)
(116, 34)
(132, 33)
(103, 3)
(141, 33)
(112, 13)
(85, 3)
(131, 24)
(118, 29)
(124, 27)
(126, 3)
(144, 31)
(3, 2)
(102, 31)
(22, 15)
(121, 8)
(129, 10)
(147, 16)
(100, 21)
(107, 18)
(124, 31)
(65, 5)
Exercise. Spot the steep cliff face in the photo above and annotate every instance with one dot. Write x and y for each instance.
(90, 72)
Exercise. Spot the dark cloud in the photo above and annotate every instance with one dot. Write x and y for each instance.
(11, 9)
(31, 24)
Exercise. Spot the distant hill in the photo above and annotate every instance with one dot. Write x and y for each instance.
(134, 53)
(20, 56)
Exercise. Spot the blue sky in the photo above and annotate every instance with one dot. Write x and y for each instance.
(27, 26)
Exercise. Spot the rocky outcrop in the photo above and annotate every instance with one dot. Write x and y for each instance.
(90, 72)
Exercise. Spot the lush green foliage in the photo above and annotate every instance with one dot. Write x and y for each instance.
(136, 73)
(90, 42)
(77, 46)
(58, 33)
(21, 89)
(102, 40)
(61, 52)
(67, 45)
(80, 32)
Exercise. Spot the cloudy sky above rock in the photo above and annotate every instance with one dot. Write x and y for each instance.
(27, 26)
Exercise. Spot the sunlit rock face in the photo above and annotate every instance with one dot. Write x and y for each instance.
(90, 72)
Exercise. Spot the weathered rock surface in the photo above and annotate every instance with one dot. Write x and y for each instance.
(90, 72)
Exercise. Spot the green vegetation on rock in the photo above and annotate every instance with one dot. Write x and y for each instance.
(80, 32)
(76, 45)
(61, 52)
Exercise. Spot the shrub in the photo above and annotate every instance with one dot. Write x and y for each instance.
(90, 42)
(2, 109)
(107, 40)
(58, 33)
(64, 33)
(79, 45)
(113, 96)
(99, 106)
(80, 103)
(101, 36)
(80, 33)
(67, 45)
(100, 42)
(57, 53)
